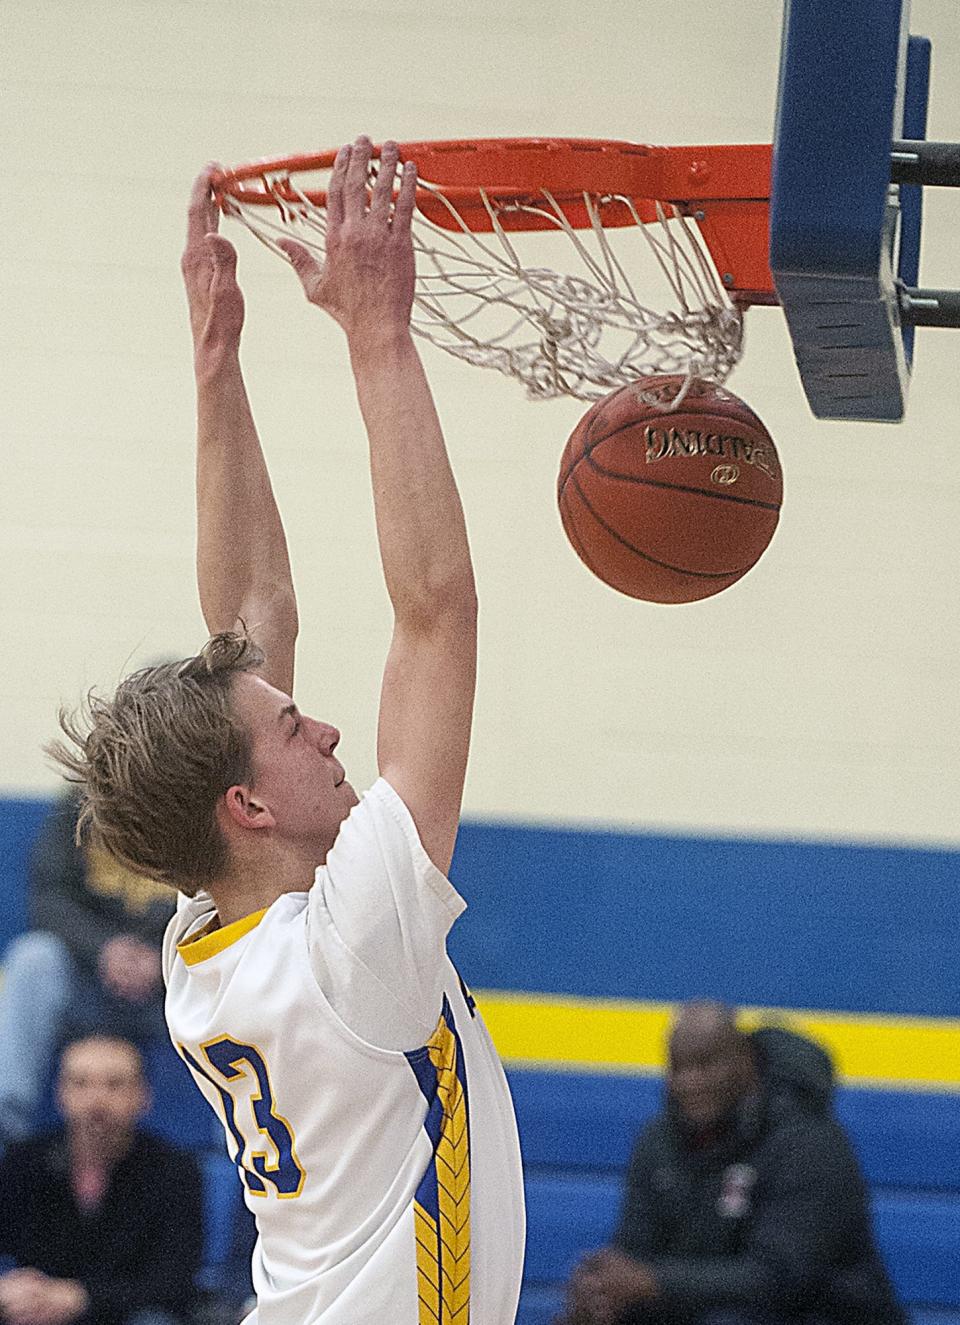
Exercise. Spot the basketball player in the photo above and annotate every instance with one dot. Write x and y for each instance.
(308, 986)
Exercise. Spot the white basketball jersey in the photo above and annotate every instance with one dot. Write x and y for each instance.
(360, 1095)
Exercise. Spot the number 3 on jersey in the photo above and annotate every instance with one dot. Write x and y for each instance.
(236, 1064)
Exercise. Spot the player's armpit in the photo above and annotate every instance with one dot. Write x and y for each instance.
(271, 620)
(426, 710)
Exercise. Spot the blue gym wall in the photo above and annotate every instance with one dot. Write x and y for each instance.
(642, 916)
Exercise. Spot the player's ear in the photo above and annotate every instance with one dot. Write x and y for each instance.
(244, 809)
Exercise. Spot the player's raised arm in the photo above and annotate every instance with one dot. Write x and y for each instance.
(366, 284)
(243, 570)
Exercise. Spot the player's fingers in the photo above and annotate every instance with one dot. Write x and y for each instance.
(202, 213)
(303, 263)
(406, 198)
(355, 184)
(224, 259)
(215, 171)
(335, 186)
(386, 177)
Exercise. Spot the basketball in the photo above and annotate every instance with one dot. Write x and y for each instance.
(670, 504)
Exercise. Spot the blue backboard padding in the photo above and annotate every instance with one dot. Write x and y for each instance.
(642, 916)
(589, 1121)
(833, 224)
(838, 72)
(915, 101)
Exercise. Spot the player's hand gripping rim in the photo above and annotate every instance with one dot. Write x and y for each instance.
(366, 282)
(209, 268)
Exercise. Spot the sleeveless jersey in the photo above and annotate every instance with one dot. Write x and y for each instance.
(360, 1095)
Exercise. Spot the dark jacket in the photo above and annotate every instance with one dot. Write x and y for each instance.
(84, 897)
(140, 1249)
(772, 1215)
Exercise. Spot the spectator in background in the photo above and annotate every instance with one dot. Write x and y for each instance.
(101, 1220)
(745, 1204)
(90, 962)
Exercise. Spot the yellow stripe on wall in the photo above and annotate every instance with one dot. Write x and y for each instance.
(598, 1035)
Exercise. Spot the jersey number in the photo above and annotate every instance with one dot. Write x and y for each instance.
(233, 1062)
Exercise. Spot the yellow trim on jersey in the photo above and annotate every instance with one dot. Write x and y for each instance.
(428, 1266)
(452, 1162)
(209, 941)
(609, 1035)
(443, 1239)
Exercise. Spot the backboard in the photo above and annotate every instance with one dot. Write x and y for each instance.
(844, 237)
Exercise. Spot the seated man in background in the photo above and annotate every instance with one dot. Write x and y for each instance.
(90, 962)
(745, 1204)
(100, 1220)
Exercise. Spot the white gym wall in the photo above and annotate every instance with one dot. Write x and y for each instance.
(818, 697)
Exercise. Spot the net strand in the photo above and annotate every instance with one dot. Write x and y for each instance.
(582, 332)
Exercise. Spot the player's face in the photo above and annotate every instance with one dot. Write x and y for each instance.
(296, 773)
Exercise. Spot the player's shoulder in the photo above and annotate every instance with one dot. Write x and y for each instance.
(381, 799)
(380, 812)
(379, 838)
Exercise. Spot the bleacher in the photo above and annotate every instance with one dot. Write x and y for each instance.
(577, 1130)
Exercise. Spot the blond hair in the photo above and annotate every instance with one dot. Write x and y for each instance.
(153, 760)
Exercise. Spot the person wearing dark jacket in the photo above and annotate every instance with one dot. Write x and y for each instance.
(744, 1203)
(100, 1222)
(90, 961)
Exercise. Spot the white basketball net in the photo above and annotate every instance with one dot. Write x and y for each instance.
(581, 333)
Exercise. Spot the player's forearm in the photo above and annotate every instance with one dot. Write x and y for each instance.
(243, 568)
(420, 524)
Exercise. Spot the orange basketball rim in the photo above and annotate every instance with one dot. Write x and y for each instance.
(725, 188)
(660, 251)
